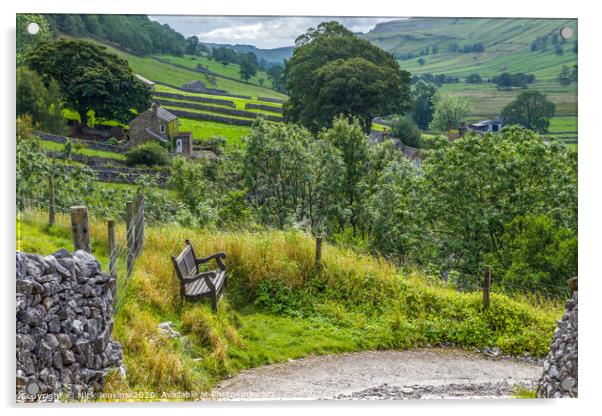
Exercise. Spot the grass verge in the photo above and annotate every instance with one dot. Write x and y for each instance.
(279, 306)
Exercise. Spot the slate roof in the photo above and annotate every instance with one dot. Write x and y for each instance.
(487, 122)
(165, 115)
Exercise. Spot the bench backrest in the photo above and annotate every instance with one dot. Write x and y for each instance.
(185, 263)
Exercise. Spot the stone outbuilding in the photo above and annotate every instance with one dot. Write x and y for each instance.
(160, 125)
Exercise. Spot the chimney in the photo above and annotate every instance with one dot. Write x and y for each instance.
(154, 108)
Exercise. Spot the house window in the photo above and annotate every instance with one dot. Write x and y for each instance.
(162, 128)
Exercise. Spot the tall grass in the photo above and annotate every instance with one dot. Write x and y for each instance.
(279, 305)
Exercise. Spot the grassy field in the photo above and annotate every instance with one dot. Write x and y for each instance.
(57, 147)
(487, 101)
(230, 70)
(208, 129)
(239, 102)
(278, 306)
(157, 71)
(507, 43)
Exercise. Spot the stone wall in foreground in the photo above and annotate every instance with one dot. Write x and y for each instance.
(64, 319)
(559, 378)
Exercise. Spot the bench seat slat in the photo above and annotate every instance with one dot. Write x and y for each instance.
(197, 288)
(186, 268)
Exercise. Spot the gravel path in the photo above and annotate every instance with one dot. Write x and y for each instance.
(425, 373)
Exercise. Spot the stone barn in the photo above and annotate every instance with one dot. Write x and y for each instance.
(160, 125)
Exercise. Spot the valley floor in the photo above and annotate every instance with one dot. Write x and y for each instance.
(411, 374)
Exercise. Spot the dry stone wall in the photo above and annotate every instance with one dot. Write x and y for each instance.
(560, 378)
(64, 321)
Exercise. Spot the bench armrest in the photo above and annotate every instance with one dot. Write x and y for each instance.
(218, 259)
(204, 275)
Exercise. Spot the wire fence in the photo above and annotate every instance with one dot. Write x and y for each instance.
(464, 280)
(119, 254)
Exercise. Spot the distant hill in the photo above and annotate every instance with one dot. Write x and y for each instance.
(275, 55)
(507, 44)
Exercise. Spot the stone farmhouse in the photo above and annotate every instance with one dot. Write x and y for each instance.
(486, 126)
(160, 125)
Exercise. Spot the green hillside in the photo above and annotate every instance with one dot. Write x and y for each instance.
(230, 70)
(507, 45)
(152, 69)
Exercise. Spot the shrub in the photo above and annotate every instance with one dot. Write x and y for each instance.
(406, 129)
(149, 154)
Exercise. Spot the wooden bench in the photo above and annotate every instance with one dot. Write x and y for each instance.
(195, 285)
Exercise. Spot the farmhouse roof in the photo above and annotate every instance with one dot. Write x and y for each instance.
(144, 80)
(487, 122)
(165, 115)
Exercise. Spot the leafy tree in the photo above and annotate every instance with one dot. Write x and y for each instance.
(27, 41)
(559, 50)
(353, 144)
(248, 65)
(41, 103)
(404, 128)
(224, 55)
(536, 253)
(531, 109)
(421, 61)
(134, 33)
(275, 75)
(334, 72)
(90, 78)
(149, 154)
(32, 165)
(507, 80)
(450, 112)
(292, 177)
(423, 95)
(193, 46)
(475, 186)
(188, 181)
(473, 79)
(394, 223)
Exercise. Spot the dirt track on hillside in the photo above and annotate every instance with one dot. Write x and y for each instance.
(426, 373)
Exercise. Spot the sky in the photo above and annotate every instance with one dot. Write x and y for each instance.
(263, 32)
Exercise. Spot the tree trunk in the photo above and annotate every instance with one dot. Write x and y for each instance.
(83, 117)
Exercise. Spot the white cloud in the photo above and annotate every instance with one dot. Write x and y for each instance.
(263, 32)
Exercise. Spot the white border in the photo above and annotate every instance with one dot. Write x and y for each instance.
(590, 152)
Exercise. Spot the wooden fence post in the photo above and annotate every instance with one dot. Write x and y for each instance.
(80, 229)
(486, 286)
(139, 223)
(129, 236)
(51, 211)
(112, 258)
(318, 250)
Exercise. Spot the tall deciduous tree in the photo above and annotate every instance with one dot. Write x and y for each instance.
(423, 96)
(353, 144)
(334, 72)
(42, 103)
(293, 177)
(450, 112)
(248, 65)
(475, 186)
(90, 78)
(531, 109)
